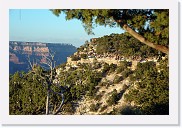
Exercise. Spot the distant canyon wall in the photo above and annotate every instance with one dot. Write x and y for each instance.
(19, 52)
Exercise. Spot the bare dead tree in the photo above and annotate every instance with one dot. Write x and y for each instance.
(48, 81)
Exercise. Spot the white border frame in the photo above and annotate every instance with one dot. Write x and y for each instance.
(171, 119)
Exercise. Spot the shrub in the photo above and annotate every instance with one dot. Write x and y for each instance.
(117, 79)
(75, 58)
(106, 68)
(97, 65)
(98, 97)
(91, 90)
(122, 66)
(68, 108)
(112, 67)
(113, 98)
(94, 107)
(126, 73)
(80, 49)
(152, 93)
(84, 56)
(103, 108)
(102, 84)
(132, 77)
(120, 69)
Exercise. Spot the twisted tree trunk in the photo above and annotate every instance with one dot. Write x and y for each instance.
(145, 41)
(60, 106)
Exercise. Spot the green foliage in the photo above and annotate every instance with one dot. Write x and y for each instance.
(75, 58)
(97, 65)
(160, 25)
(151, 95)
(152, 92)
(126, 73)
(112, 67)
(103, 108)
(68, 108)
(117, 79)
(84, 56)
(26, 96)
(30, 96)
(122, 66)
(153, 24)
(80, 49)
(113, 98)
(98, 97)
(103, 84)
(76, 92)
(124, 45)
(106, 68)
(81, 82)
(145, 69)
(135, 18)
(91, 90)
(94, 107)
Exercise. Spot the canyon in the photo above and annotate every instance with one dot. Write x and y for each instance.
(35, 52)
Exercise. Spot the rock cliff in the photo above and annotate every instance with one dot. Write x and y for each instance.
(114, 80)
(19, 52)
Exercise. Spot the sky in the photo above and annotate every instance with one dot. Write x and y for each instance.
(41, 25)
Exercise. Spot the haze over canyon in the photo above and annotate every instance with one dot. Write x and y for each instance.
(21, 52)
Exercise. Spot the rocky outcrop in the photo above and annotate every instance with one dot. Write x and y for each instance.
(13, 58)
(89, 49)
(103, 101)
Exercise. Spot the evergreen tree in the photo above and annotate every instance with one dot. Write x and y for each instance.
(149, 26)
(151, 93)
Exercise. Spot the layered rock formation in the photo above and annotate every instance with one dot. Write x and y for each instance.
(19, 52)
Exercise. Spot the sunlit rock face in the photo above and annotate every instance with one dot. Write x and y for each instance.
(19, 52)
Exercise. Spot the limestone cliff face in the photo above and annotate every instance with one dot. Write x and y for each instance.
(29, 48)
(13, 58)
(20, 51)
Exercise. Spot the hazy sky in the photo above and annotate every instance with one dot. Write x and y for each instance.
(42, 26)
